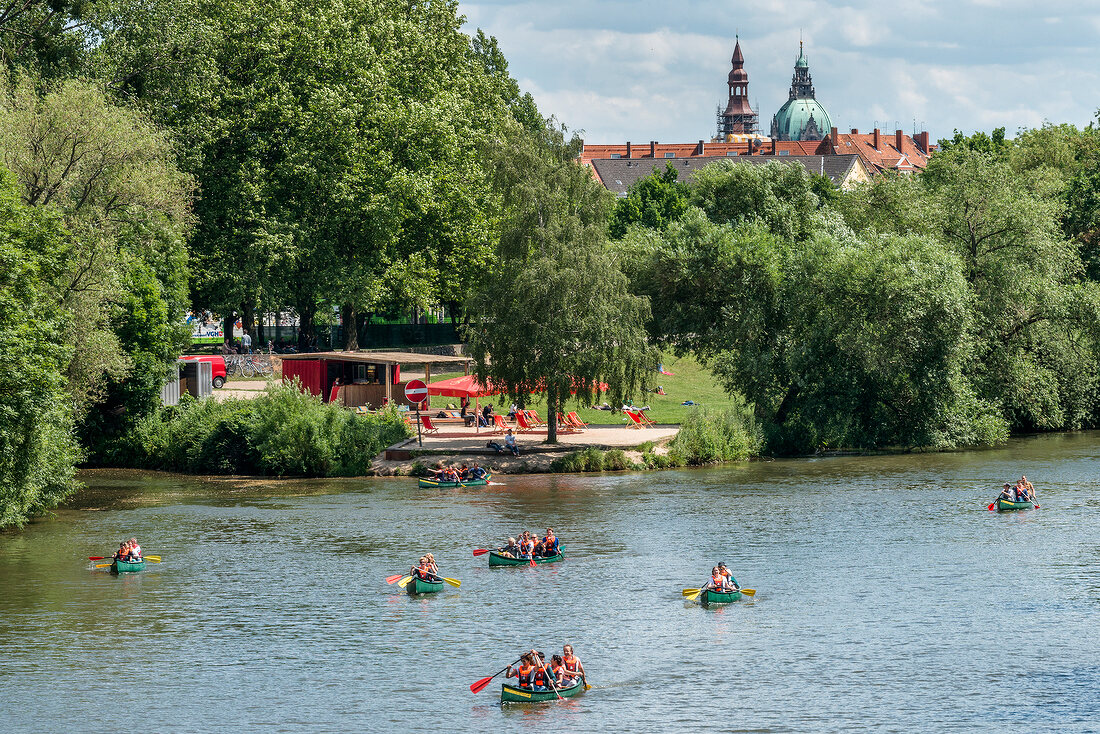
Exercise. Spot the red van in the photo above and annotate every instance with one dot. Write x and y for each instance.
(217, 366)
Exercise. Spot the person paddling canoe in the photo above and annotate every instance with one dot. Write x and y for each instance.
(524, 672)
(1007, 493)
(572, 665)
(730, 581)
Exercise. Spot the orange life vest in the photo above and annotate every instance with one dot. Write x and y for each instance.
(572, 665)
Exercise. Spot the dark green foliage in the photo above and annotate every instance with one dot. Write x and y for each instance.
(653, 202)
(37, 448)
(555, 313)
(285, 432)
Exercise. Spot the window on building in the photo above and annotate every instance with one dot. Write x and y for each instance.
(784, 152)
(731, 152)
(616, 155)
(670, 155)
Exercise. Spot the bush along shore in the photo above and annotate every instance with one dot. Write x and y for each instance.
(284, 432)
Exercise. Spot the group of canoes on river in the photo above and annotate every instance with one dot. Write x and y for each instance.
(1019, 497)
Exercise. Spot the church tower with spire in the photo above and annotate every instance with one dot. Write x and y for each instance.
(738, 117)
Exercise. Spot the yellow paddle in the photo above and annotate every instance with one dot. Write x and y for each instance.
(694, 592)
(152, 559)
(453, 582)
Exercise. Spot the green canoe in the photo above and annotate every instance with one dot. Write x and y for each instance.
(127, 567)
(436, 484)
(512, 694)
(717, 597)
(418, 586)
(1006, 505)
(495, 559)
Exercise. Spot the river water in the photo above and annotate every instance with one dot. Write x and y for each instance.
(889, 599)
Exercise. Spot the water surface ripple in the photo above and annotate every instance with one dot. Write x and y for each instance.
(889, 600)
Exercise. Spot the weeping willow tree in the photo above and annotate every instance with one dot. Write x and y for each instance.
(555, 312)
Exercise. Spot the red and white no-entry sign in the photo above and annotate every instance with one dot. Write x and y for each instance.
(416, 391)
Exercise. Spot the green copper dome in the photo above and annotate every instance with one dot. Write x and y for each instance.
(793, 121)
(801, 62)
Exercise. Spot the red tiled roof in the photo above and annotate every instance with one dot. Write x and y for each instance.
(888, 156)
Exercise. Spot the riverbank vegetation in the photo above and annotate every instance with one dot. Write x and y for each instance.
(283, 432)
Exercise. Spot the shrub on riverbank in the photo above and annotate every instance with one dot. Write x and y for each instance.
(284, 432)
(709, 436)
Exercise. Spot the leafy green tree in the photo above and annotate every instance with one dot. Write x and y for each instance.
(37, 447)
(778, 194)
(653, 202)
(979, 142)
(111, 178)
(1034, 325)
(555, 313)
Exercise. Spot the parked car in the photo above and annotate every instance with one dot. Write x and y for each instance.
(217, 366)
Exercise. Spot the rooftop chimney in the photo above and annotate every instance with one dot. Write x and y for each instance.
(922, 141)
(628, 149)
(701, 149)
(855, 131)
(898, 135)
(834, 137)
(773, 146)
(652, 148)
(877, 139)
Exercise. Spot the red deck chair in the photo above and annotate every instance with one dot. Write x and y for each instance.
(575, 420)
(500, 425)
(427, 423)
(522, 422)
(533, 418)
(564, 425)
(633, 420)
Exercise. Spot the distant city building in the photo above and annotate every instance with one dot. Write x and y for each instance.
(801, 134)
(801, 117)
(738, 117)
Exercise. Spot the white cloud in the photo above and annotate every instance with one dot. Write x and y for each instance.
(643, 70)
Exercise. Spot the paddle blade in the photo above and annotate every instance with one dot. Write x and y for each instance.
(153, 559)
(453, 582)
(477, 687)
(102, 565)
(393, 579)
(1037, 506)
(97, 558)
(481, 551)
(689, 592)
(533, 564)
(992, 505)
(695, 596)
(405, 581)
(748, 592)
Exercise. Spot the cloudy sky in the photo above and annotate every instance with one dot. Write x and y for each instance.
(644, 70)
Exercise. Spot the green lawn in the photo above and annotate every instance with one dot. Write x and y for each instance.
(689, 381)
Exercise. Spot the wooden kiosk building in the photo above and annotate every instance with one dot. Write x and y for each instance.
(365, 378)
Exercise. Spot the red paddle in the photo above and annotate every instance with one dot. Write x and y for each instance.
(477, 687)
(393, 579)
(992, 505)
(481, 551)
(100, 558)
